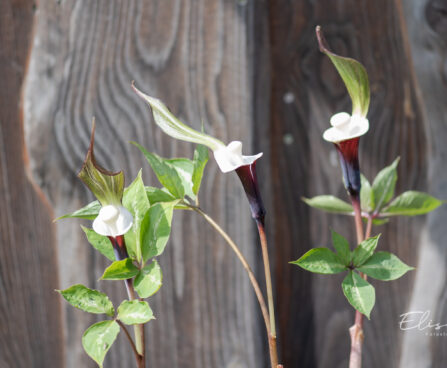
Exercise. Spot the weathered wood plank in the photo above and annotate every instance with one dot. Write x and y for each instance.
(426, 23)
(306, 91)
(30, 318)
(193, 55)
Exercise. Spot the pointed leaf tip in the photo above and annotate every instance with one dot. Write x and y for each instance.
(352, 73)
(359, 293)
(320, 260)
(329, 203)
(107, 186)
(88, 300)
(173, 127)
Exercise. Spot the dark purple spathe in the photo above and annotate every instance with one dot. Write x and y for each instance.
(249, 180)
(348, 152)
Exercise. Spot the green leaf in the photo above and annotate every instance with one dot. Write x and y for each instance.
(155, 229)
(107, 186)
(341, 245)
(384, 185)
(354, 76)
(165, 172)
(98, 339)
(100, 243)
(360, 293)
(378, 222)
(157, 195)
(320, 260)
(132, 312)
(329, 203)
(384, 266)
(200, 160)
(364, 250)
(185, 170)
(89, 212)
(411, 203)
(88, 300)
(174, 127)
(120, 270)
(149, 280)
(366, 195)
(136, 201)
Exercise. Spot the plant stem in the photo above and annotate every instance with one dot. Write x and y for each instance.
(126, 332)
(268, 320)
(268, 283)
(356, 331)
(138, 329)
(120, 250)
(368, 227)
(244, 262)
(358, 219)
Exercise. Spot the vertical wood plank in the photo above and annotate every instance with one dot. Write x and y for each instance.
(30, 319)
(194, 56)
(427, 24)
(306, 91)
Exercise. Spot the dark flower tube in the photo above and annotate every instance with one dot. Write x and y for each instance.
(349, 161)
(249, 180)
(119, 247)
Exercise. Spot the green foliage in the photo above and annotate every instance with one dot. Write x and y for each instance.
(106, 186)
(384, 184)
(180, 176)
(320, 260)
(120, 270)
(100, 243)
(98, 339)
(88, 300)
(88, 212)
(200, 160)
(132, 312)
(136, 201)
(185, 170)
(366, 195)
(173, 127)
(412, 203)
(381, 265)
(375, 199)
(156, 229)
(379, 221)
(384, 266)
(157, 195)
(329, 203)
(166, 173)
(149, 280)
(359, 292)
(341, 245)
(354, 76)
(364, 250)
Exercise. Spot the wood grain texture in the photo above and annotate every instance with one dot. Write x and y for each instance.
(427, 25)
(306, 91)
(30, 318)
(246, 69)
(194, 56)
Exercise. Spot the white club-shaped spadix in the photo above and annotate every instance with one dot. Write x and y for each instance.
(113, 221)
(345, 126)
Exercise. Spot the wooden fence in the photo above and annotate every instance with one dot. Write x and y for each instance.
(250, 70)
